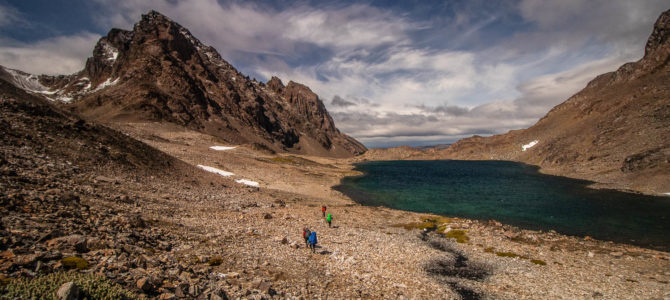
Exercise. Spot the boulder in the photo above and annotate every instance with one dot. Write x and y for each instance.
(75, 241)
(144, 284)
(167, 296)
(68, 291)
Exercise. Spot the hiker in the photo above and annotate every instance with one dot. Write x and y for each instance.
(305, 235)
(329, 219)
(323, 211)
(312, 241)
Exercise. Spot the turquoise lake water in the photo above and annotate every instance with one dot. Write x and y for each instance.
(515, 194)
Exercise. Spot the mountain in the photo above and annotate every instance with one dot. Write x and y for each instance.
(616, 131)
(34, 129)
(160, 72)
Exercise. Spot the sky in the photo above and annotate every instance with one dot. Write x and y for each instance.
(414, 72)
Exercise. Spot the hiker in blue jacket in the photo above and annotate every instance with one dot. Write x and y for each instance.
(312, 241)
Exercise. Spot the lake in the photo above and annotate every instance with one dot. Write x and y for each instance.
(512, 193)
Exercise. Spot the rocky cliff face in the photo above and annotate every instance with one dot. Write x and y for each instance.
(615, 131)
(160, 72)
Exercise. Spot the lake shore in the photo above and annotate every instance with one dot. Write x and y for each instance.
(370, 253)
(196, 233)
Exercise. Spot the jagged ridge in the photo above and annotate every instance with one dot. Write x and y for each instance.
(160, 72)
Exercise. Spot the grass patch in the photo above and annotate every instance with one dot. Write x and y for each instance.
(460, 235)
(418, 225)
(438, 219)
(428, 223)
(489, 250)
(45, 287)
(538, 262)
(74, 262)
(507, 254)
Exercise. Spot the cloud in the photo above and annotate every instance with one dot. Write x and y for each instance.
(396, 74)
(445, 109)
(59, 55)
(10, 16)
(339, 101)
(248, 33)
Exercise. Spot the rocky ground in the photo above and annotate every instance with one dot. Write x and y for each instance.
(164, 228)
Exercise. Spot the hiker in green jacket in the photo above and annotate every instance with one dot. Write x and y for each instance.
(329, 219)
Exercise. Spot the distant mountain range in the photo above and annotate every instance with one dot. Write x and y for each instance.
(160, 72)
(615, 131)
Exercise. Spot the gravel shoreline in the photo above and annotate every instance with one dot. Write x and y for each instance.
(188, 233)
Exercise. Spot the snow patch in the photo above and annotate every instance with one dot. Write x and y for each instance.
(529, 145)
(215, 170)
(105, 84)
(111, 53)
(26, 81)
(247, 182)
(187, 35)
(64, 98)
(221, 148)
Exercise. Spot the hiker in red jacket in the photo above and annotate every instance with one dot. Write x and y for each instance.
(323, 211)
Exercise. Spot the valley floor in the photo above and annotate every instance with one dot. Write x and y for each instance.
(205, 234)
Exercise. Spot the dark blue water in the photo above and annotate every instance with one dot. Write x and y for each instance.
(512, 193)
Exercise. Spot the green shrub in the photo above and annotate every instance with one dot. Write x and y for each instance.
(74, 262)
(459, 235)
(538, 262)
(45, 287)
(507, 254)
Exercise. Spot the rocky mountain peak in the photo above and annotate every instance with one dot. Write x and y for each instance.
(660, 34)
(276, 85)
(160, 72)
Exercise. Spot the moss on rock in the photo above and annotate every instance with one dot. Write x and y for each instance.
(74, 262)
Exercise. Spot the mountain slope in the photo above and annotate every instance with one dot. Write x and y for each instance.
(160, 72)
(615, 131)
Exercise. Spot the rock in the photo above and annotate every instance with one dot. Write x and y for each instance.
(27, 259)
(218, 294)
(591, 254)
(262, 285)
(95, 244)
(194, 290)
(144, 285)
(616, 254)
(167, 296)
(267, 216)
(8, 254)
(284, 241)
(271, 291)
(104, 179)
(75, 241)
(68, 291)
(133, 220)
(52, 192)
(6, 265)
(180, 290)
